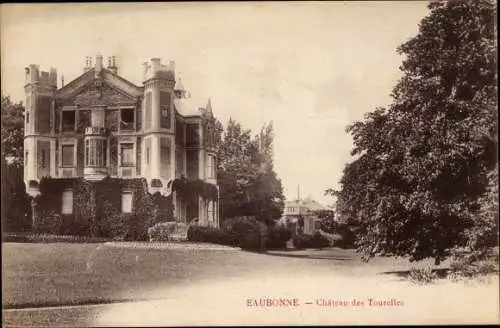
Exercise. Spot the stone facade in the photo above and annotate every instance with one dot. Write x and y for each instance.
(101, 125)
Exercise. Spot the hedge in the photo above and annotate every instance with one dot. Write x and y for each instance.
(310, 241)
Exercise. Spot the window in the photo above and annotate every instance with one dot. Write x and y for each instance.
(67, 202)
(211, 211)
(192, 138)
(317, 225)
(127, 202)
(68, 120)
(27, 117)
(127, 154)
(147, 156)
(127, 119)
(147, 109)
(44, 153)
(95, 152)
(165, 109)
(68, 155)
(26, 159)
(210, 166)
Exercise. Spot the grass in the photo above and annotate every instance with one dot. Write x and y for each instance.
(56, 274)
(68, 273)
(37, 275)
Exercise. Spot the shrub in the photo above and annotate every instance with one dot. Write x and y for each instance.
(347, 236)
(251, 234)
(50, 223)
(469, 265)
(212, 235)
(310, 241)
(48, 238)
(167, 231)
(422, 275)
(114, 225)
(161, 231)
(278, 236)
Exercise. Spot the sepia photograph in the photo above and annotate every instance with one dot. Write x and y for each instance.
(242, 163)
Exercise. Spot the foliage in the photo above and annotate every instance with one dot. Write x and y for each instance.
(49, 223)
(212, 235)
(16, 204)
(278, 236)
(248, 184)
(327, 221)
(51, 238)
(252, 234)
(16, 208)
(422, 276)
(465, 264)
(12, 131)
(190, 188)
(97, 207)
(167, 231)
(423, 164)
(301, 241)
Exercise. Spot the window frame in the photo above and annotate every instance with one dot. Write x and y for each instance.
(127, 143)
(131, 206)
(75, 124)
(63, 145)
(70, 205)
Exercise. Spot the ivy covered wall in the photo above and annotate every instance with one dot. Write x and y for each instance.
(97, 208)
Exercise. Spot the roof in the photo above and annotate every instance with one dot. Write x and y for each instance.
(309, 203)
(186, 107)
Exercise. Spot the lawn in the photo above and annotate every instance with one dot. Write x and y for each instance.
(213, 282)
(63, 274)
(68, 273)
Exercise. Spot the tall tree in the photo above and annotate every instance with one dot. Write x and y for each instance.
(424, 164)
(267, 189)
(236, 170)
(248, 184)
(15, 202)
(12, 131)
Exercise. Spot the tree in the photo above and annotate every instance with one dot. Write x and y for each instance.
(424, 164)
(12, 131)
(15, 202)
(248, 184)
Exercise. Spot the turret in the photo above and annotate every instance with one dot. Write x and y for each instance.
(159, 121)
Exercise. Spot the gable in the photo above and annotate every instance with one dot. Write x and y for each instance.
(98, 93)
(105, 89)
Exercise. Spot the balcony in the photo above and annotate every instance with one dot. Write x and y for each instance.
(127, 126)
(95, 131)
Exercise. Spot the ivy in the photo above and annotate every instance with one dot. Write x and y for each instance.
(97, 207)
(188, 188)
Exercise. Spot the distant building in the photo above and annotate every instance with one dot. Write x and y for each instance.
(302, 209)
(100, 126)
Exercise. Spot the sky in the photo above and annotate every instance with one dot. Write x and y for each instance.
(311, 68)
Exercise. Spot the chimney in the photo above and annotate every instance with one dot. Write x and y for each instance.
(112, 64)
(88, 64)
(98, 63)
(155, 63)
(53, 77)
